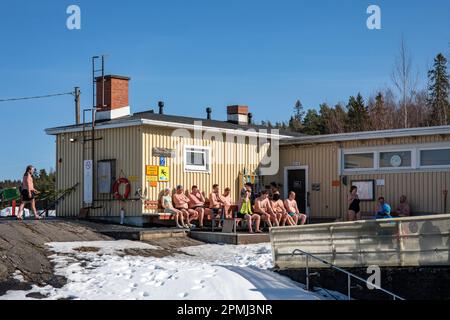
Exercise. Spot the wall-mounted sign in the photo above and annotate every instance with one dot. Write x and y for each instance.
(151, 205)
(163, 152)
(163, 161)
(151, 170)
(163, 174)
(133, 178)
(315, 187)
(380, 182)
(87, 182)
(153, 180)
(366, 189)
(336, 183)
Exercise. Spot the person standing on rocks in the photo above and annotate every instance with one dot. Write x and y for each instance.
(28, 193)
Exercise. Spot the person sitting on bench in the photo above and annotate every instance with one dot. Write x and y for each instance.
(166, 203)
(245, 212)
(383, 209)
(292, 208)
(248, 187)
(280, 210)
(263, 208)
(403, 209)
(197, 203)
(226, 200)
(181, 202)
(215, 204)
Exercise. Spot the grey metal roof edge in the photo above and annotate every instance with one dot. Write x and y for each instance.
(368, 135)
(171, 124)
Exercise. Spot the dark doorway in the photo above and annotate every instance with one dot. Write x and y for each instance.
(296, 181)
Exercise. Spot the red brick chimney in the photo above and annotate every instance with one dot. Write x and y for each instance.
(112, 100)
(238, 114)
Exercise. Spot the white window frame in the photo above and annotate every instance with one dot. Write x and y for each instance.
(201, 169)
(419, 158)
(344, 153)
(415, 150)
(413, 160)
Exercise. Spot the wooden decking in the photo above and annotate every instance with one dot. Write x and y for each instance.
(229, 238)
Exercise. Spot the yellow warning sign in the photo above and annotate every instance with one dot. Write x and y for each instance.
(151, 170)
(164, 174)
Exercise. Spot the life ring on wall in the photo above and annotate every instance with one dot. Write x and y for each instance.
(116, 186)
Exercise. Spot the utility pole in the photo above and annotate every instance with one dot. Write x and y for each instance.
(77, 94)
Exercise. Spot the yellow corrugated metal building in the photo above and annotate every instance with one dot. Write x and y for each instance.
(412, 162)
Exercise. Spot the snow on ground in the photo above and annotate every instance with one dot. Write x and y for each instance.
(7, 212)
(203, 272)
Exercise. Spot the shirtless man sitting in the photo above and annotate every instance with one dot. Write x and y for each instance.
(292, 208)
(197, 203)
(226, 200)
(215, 203)
(264, 209)
(181, 202)
(280, 210)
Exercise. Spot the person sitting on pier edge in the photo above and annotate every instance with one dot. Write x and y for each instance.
(403, 209)
(263, 208)
(197, 203)
(383, 209)
(279, 209)
(181, 202)
(245, 212)
(292, 208)
(166, 203)
(226, 200)
(215, 204)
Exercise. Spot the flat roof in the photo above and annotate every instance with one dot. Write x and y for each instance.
(368, 135)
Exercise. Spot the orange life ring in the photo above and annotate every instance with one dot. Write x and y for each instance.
(116, 186)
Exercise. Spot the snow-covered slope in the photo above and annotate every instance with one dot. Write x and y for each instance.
(202, 272)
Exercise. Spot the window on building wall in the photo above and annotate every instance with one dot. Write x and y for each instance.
(197, 158)
(395, 159)
(390, 158)
(435, 157)
(354, 161)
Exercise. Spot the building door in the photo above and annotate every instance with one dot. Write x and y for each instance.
(296, 179)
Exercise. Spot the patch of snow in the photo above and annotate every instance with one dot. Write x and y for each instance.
(7, 212)
(217, 272)
(17, 275)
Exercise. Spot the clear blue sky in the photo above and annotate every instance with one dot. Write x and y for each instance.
(199, 53)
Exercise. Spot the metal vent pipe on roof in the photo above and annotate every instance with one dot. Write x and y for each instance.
(161, 107)
(208, 113)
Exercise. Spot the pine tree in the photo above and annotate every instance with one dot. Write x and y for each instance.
(358, 116)
(312, 123)
(326, 115)
(295, 123)
(379, 113)
(438, 92)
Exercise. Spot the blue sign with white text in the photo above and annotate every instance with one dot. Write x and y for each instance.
(162, 161)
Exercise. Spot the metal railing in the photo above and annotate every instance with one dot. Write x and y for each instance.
(349, 275)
